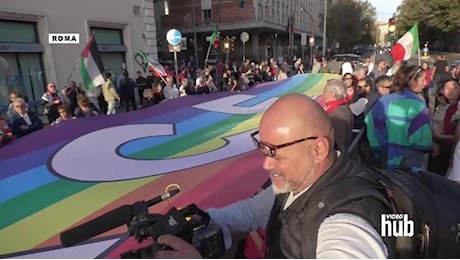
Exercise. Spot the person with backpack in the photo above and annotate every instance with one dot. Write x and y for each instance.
(328, 205)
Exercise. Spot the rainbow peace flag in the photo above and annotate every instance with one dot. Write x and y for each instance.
(67, 174)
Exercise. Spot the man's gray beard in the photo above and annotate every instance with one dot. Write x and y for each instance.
(286, 188)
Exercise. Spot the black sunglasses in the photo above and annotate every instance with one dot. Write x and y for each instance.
(269, 150)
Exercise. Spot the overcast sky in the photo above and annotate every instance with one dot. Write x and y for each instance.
(385, 8)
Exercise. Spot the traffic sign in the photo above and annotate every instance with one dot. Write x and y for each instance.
(303, 39)
(244, 37)
(173, 37)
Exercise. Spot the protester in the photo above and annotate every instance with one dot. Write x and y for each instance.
(110, 94)
(336, 105)
(6, 134)
(65, 114)
(85, 107)
(51, 99)
(24, 122)
(399, 124)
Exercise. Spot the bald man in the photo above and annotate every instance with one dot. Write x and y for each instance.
(296, 138)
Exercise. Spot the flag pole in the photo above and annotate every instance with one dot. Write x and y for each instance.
(419, 58)
(162, 78)
(207, 54)
(75, 65)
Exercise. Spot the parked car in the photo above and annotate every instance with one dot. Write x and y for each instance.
(455, 63)
(336, 61)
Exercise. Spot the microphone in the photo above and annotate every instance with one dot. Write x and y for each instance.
(110, 220)
(162, 197)
(99, 225)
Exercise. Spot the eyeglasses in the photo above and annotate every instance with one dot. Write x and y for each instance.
(269, 150)
(440, 95)
(387, 86)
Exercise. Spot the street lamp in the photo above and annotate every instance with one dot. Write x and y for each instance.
(313, 32)
(291, 30)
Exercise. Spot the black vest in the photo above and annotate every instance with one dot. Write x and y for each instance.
(293, 233)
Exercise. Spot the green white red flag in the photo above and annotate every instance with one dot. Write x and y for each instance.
(154, 66)
(407, 45)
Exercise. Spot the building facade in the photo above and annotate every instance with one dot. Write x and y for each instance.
(381, 34)
(28, 61)
(266, 21)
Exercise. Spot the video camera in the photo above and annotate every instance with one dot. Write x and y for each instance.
(190, 223)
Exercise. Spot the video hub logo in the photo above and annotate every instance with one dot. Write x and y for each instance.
(396, 225)
(64, 38)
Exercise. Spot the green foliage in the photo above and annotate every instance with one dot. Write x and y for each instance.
(439, 15)
(351, 22)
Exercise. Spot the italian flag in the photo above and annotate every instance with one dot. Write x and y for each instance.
(214, 37)
(406, 45)
(91, 67)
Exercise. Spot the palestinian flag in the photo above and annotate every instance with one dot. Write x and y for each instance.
(406, 45)
(154, 66)
(91, 67)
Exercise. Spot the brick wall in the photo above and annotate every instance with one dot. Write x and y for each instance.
(230, 12)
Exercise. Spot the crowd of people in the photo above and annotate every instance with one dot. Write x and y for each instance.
(305, 144)
(409, 115)
(125, 93)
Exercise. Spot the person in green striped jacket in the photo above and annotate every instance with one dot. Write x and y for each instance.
(399, 125)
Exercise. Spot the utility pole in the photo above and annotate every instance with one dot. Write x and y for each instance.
(195, 42)
(324, 29)
(290, 29)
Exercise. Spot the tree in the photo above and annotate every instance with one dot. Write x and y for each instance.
(351, 22)
(368, 18)
(437, 19)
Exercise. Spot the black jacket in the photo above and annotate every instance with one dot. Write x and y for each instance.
(17, 121)
(293, 233)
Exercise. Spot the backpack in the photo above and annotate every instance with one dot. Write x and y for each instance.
(423, 205)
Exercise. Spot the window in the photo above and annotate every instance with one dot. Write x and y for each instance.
(207, 16)
(114, 62)
(108, 36)
(23, 72)
(111, 50)
(260, 12)
(18, 32)
(21, 65)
